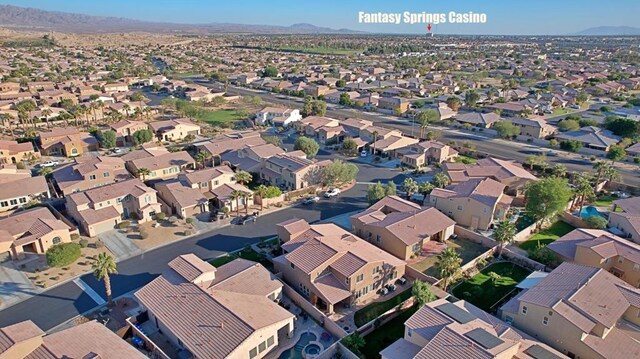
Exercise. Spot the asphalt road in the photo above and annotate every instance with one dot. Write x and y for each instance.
(496, 147)
(64, 302)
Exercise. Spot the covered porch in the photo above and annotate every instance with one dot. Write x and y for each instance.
(328, 292)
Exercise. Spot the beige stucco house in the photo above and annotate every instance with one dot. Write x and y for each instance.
(174, 130)
(425, 153)
(625, 218)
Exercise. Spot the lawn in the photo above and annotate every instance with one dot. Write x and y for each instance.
(218, 117)
(322, 50)
(384, 336)
(604, 201)
(374, 310)
(560, 111)
(547, 235)
(465, 159)
(466, 249)
(483, 292)
(248, 254)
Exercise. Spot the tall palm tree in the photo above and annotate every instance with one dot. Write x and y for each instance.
(583, 189)
(375, 139)
(600, 167)
(611, 173)
(245, 198)
(236, 195)
(559, 170)
(243, 177)
(46, 113)
(202, 158)
(448, 265)
(504, 233)
(409, 186)
(102, 267)
(144, 172)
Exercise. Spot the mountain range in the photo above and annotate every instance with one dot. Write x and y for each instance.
(22, 18)
(610, 31)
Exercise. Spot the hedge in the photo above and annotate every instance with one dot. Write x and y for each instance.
(63, 254)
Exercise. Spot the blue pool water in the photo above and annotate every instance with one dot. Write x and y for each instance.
(590, 211)
(296, 351)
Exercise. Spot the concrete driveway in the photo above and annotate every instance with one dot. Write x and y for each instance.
(120, 244)
(14, 285)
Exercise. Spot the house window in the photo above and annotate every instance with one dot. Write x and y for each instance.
(636, 267)
(204, 184)
(106, 174)
(620, 260)
(253, 353)
(359, 278)
(416, 247)
(14, 202)
(215, 183)
(484, 209)
(409, 332)
(459, 208)
(270, 341)
(23, 200)
(524, 310)
(4, 203)
(378, 238)
(292, 266)
(118, 200)
(262, 347)
(545, 320)
(56, 240)
(92, 177)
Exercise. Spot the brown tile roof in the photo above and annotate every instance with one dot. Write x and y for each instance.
(23, 187)
(171, 159)
(206, 174)
(174, 191)
(331, 289)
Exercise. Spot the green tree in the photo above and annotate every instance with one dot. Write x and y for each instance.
(107, 139)
(354, 342)
(341, 83)
(235, 195)
(102, 267)
(596, 222)
(504, 233)
(202, 157)
(45, 171)
(616, 153)
(600, 167)
(453, 103)
(270, 71)
(307, 145)
(506, 129)
(559, 170)
(390, 189)
(243, 177)
(440, 180)
(345, 100)
(568, 125)
(621, 126)
(409, 187)
(421, 291)
(349, 145)
(375, 192)
(547, 197)
(425, 118)
(471, 98)
(143, 172)
(571, 145)
(582, 97)
(142, 136)
(425, 188)
(338, 173)
(448, 265)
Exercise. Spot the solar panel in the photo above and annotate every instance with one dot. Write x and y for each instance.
(455, 312)
(539, 352)
(484, 338)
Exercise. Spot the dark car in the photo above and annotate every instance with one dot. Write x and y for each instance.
(247, 219)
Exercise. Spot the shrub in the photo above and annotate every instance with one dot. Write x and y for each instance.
(134, 216)
(161, 216)
(143, 233)
(187, 232)
(189, 220)
(84, 243)
(123, 224)
(75, 236)
(99, 244)
(636, 160)
(63, 254)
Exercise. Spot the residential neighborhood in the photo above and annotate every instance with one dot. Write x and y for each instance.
(197, 185)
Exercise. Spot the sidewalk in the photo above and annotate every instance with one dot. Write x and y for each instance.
(15, 286)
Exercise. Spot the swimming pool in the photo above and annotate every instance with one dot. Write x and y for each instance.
(296, 351)
(590, 211)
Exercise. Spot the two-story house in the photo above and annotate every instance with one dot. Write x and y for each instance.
(331, 266)
(507, 172)
(19, 189)
(66, 141)
(125, 129)
(624, 219)
(158, 163)
(89, 172)
(277, 116)
(425, 153)
(174, 130)
(291, 171)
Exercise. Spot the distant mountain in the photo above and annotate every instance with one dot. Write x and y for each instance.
(610, 31)
(22, 18)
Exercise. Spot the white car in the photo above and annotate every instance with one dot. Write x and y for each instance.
(363, 154)
(116, 150)
(332, 193)
(49, 163)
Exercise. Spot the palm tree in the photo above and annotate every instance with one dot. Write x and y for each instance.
(600, 167)
(375, 139)
(559, 170)
(202, 158)
(9, 118)
(409, 186)
(611, 173)
(503, 234)
(448, 265)
(126, 109)
(46, 113)
(425, 189)
(261, 192)
(144, 172)
(102, 267)
(583, 189)
(245, 198)
(243, 177)
(441, 180)
(45, 171)
(236, 195)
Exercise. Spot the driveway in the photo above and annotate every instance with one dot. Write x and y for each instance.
(14, 285)
(120, 244)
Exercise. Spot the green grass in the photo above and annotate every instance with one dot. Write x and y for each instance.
(466, 249)
(248, 254)
(374, 310)
(386, 335)
(560, 111)
(548, 235)
(217, 117)
(481, 291)
(466, 160)
(321, 50)
(604, 201)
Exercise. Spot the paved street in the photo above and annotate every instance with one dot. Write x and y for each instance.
(68, 300)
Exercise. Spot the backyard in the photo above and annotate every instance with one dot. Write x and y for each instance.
(547, 235)
(467, 250)
(374, 310)
(484, 290)
(247, 253)
(218, 117)
(385, 335)
(604, 201)
(465, 159)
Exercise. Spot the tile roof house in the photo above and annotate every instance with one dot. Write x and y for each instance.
(582, 311)
(160, 163)
(174, 130)
(89, 172)
(277, 116)
(601, 249)
(507, 172)
(229, 142)
(66, 141)
(533, 127)
(291, 171)
(31, 231)
(479, 119)
(251, 158)
(331, 266)
(90, 340)
(591, 137)
(401, 227)
(14, 152)
(426, 152)
(215, 313)
(443, 330)
(18, 188)
(125, 129)
(475, 204)
(625, 218)
(100, 209)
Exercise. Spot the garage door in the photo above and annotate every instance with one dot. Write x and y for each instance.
(103, 227)
(194, 211)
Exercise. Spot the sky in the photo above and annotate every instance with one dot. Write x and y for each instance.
(514, 17)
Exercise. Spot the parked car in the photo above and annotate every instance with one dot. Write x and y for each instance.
(332, 193)
(363, 153)
(247, 219)
(402, 281)
(311, 200)
(391, 287)
(116, 150)
(49, 163)
(213, 216)
(383, 291)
